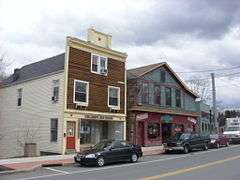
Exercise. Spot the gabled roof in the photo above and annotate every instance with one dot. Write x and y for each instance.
(140, 71)
(37, 69)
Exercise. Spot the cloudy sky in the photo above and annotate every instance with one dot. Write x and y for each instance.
(190, 35)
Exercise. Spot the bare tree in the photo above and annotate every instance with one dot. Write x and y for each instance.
(3, 66)
(201, 87)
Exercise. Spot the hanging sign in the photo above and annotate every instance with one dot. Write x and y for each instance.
(141, 116)
(167, 118)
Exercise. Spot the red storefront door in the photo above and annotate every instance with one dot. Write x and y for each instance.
(71, 135)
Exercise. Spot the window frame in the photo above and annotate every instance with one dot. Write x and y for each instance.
(87, 93)
(119, 97)
(99, 64)
(166, 100)
(19, 97)
(53, 88)
(54, 130)
(180, 98)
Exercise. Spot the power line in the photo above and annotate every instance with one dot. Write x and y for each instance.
(209, 70)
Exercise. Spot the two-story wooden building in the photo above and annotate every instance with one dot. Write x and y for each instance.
(159, 105)
(66, 102)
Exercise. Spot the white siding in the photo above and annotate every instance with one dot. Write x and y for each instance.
(35, 113)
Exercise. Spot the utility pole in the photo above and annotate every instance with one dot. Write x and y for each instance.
(214, 102)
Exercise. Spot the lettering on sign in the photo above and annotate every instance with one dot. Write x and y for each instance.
(141, 116)
(101, 117)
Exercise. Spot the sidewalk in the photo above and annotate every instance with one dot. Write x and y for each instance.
(27, 164)
(31, 163)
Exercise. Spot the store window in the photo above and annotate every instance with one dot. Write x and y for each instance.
(153, 130)
(85, 132)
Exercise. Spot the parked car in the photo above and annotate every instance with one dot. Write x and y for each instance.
(233, 134)
(218, 140)
(185, 142)
(109, 151)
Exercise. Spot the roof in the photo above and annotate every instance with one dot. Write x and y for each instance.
(37, 69)
(140, 71)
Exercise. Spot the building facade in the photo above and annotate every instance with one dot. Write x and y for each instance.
(205, 123)
(159, 105)
(67, 102)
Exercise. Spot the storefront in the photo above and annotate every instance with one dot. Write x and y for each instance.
(154, 128)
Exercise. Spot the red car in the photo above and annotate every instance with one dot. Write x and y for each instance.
(218, 140)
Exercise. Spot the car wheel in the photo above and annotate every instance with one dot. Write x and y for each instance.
(217, 145)
(205, 147)
(100, 161)
(186, 149)
(134, 158)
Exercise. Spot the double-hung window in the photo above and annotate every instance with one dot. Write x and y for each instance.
(54, 130)
(81, 92)
(19, 97)
(55, 96)
(178, 98)
(114, 97)
(168, 96)
(99, 64)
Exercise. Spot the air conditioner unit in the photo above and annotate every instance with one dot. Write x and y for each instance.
(103, 71)
(80, 106)
(54, 98)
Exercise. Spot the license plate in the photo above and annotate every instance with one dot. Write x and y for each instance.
(78, 159)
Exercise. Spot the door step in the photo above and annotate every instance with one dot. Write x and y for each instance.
(70, 151)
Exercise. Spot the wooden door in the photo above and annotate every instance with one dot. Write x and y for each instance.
(140, 133)
(71, 133)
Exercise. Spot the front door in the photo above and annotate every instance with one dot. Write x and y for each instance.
(140, 134)
(71, 131)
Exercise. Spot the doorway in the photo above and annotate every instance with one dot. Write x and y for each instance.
(166, 131)
(140, 134)
(71, 134)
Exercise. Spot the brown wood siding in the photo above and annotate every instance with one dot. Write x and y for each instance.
(79, 67)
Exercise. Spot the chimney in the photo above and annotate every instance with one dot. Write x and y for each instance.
(99, 38)
(16, 74)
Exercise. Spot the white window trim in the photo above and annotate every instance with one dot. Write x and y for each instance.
(87, 93)
(111, 106)
(53, 86)
(98, 64)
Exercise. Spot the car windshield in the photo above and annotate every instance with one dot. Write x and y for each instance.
(213, 136)
(183, 136)
(233, 129)
(101, 145)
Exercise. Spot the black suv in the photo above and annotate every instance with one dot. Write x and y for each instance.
(185, 142)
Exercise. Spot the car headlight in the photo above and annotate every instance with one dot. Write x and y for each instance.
(213, 141)
(90, 156)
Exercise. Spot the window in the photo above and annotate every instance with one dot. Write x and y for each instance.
(178, 98)
(157, 95)
(81, 91)
(168, 95)
(153, 130)
(55, 96)
(163, 76)
(145, 93)
(98, 64)
(85, 132)
(114, 97)
(19, 97)
(54, 130)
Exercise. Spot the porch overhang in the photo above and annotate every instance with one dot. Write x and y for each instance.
(165, 111)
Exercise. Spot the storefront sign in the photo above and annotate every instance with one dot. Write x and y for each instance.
(167, 118)
(99, 117)
(141, 116)
(192, 120)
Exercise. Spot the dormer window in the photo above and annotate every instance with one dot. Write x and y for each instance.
(99, 64)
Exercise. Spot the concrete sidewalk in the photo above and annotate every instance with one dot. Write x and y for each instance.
(31, 163)
(27, 164)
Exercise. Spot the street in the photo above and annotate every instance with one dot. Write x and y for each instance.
(215, 164)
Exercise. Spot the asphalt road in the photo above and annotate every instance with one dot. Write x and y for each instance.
(216, 164)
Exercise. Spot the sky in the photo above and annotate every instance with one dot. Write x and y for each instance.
(190, 35)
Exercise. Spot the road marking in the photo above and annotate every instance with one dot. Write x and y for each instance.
(127, 165)
(56, 170)
(181, 171)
